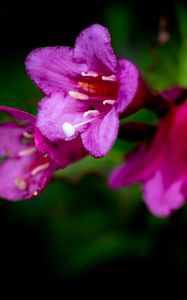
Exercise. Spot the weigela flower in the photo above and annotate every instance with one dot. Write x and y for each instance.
(24, 172)
(87, 87)
(160, 163)
(28, 158)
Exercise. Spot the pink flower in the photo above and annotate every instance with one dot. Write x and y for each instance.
(24, 171)
(160, 164)
(86, 88)
(29, 159)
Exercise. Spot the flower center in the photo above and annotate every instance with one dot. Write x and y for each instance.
(69, 129)
(93, 87)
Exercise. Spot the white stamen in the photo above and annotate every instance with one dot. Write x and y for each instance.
(20, 183)
(90, 74)
(93, 112)
(79, 96)
(28, 151)
(68, 129)
(109, 78)
(35, 193)
(39, 169)
(111, 102)
(28, 135)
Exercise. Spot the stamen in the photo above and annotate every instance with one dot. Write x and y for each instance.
(90, 74)
(109, 102)
(27, 151)
(20, 183)
(39, 169)
(79, 96)
(93, 112)
(69, 129)
(35, 193)
(28, 135)
(109, 78)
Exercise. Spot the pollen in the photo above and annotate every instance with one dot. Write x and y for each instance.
(87, 87)
(20, 183)
(79, 96)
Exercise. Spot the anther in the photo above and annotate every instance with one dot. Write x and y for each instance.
(28, 135)
(111, 102)
(90, 74)
(28, 151)
(79, 96)
(39, 169)
(20, 183)
(93, 112)
(69, 129)
(109, 78)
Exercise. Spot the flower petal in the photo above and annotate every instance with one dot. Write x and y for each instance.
(18, 114)
(128, 79)
(99, 137)
(163, 201)
(57, 110)
(173, 94)
(131, 171)
(53, 69)
(62, 153)
(12, 140)
(16, 180)
(93, 47)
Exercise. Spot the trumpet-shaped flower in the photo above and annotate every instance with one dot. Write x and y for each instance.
(28, 160)
(86, 89)
(160, 165)
(24, 172)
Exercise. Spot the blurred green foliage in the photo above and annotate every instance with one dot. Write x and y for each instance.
(82, 221)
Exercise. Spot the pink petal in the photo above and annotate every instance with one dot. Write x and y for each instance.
(14, 171)
(53, 69)
(55, 111)
(12, 139)
(160, 200)
(62, 153)
(131, 171)
(99, 137)
(18, 114)
(172, 94)
(128, 79)
(93, 47)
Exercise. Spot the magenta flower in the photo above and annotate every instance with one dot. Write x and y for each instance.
(160, 165)
(29, 159)
(24, 172)
(86, 88)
